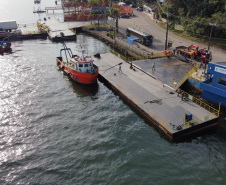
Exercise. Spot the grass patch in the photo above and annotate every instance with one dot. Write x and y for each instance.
(214, 42)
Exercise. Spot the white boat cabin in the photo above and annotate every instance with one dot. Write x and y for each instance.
(82, 65)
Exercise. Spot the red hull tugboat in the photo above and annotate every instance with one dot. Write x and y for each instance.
(80, 69)
(5, 45)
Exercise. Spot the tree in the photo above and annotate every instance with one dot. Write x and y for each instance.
(112, 12)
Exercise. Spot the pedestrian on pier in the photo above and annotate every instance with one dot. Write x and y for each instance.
(200, 66)
(153, 67)
(182, 96)
(120, 68)
(174, 51)
(178, 92)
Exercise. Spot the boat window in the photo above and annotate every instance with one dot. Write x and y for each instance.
(221, 80)
(86, 65)
(80, 65)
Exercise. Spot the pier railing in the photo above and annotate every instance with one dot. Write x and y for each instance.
(196, 66)
(187, 96)
(125, 58)
(146, 57)
(193, 122)
(117, 54)
(214, 112)
(135, 49)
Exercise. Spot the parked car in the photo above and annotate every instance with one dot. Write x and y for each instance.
(132, 5)
(140, 9)
(125, 16)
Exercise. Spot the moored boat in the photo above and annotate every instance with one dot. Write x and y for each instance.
(5, 45)
(80, 69)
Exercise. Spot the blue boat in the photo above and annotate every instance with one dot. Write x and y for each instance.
(214, 87)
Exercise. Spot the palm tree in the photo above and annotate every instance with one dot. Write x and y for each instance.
(94, 4)
(75, 1)
(112, 12)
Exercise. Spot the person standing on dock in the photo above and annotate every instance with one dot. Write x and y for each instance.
(120, 68)
(182, 96)
(153, 67)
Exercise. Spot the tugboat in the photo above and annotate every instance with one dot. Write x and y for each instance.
(5, 45)
(80, 69)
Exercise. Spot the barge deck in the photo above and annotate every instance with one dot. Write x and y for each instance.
(156, 102)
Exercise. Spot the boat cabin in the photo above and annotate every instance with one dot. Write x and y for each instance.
(82, 65)
(214, 87)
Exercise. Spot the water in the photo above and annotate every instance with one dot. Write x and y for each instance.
(54, 131)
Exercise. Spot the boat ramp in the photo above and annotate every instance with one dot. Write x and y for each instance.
(155, 101)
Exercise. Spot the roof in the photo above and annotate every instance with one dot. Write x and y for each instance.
(131, 39)
(139, 32)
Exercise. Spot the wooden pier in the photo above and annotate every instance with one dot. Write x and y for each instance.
(156, 102)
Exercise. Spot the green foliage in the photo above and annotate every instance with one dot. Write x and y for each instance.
(195, 16)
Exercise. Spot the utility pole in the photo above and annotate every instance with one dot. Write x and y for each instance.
(211, 24)
(208, 53)
(167, 27)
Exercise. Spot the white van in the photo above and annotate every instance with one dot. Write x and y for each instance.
(122, 4)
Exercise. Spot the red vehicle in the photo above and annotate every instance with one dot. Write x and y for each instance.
(193, 50)
(140, 9)
(206, 56)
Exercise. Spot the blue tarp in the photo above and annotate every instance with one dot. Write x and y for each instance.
(131, 39)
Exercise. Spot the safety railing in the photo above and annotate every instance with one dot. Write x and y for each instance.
(188, 124)
(125, 58)
(119, 55)
(196, 66)
(131, 47)
(146, 57)
(187, 96)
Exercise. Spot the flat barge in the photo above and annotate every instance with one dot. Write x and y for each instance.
(154, 101)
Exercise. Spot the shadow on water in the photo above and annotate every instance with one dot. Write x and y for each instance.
(84, 90)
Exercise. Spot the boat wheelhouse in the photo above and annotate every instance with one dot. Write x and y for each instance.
(214, 87)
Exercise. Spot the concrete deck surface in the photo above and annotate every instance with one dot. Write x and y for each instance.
(159, 101)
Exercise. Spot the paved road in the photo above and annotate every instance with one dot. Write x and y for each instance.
(142, 21)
